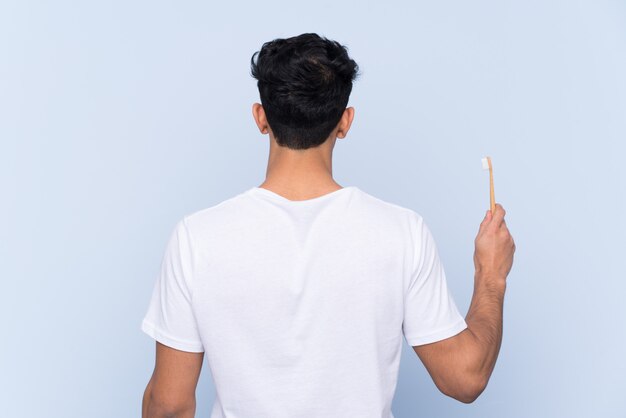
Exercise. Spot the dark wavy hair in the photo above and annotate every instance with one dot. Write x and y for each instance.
(304, 83)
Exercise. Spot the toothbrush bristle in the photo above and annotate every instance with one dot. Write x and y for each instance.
(485, 163)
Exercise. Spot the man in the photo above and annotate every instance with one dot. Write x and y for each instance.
(299, 291)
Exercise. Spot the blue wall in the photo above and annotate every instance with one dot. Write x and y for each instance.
(117, 118)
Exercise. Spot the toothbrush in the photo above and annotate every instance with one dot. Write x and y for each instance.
(487, 166)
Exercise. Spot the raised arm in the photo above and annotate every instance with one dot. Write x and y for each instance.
(461, 366)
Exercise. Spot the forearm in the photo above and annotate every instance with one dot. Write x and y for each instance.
(484, 321)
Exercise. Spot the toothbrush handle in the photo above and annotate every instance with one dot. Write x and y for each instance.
(491, 194)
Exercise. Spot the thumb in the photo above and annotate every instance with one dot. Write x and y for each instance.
(487, 217)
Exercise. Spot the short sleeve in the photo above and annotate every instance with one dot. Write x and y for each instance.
(170, 318)
(430, 313)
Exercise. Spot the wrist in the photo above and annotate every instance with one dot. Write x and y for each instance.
(490, 279)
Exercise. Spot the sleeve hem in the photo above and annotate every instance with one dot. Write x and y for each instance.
(168, 340)
(439, 335)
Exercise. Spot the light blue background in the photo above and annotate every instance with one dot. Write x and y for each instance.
(117, 118)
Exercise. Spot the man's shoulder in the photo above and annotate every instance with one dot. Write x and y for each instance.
(220, 211)
(387, 207)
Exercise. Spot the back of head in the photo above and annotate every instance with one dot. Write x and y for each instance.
(304, 83)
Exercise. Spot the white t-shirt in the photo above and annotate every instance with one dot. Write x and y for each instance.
(301, 306)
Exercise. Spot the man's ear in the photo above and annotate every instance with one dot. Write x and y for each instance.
(345, 122)
(259, 117)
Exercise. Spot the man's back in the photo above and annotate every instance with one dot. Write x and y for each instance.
(301, 306)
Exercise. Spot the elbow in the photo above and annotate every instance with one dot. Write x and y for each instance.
(155, 407)
(469, 396)
(468, 391)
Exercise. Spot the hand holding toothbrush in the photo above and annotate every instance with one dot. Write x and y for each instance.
(494, 245)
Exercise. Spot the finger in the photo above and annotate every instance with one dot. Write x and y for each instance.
(499, 208)
(498, 216)
(486, 219)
